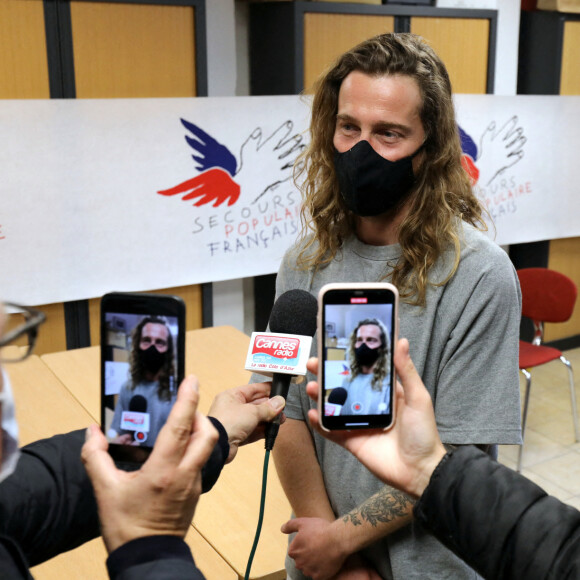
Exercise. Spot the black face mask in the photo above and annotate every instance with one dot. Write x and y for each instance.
(151, 359)
(370, 184)
(365, 356)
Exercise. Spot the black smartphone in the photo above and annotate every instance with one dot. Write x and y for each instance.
(142, 366)
(357, 330)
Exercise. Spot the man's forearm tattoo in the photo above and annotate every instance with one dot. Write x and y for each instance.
(385, 506)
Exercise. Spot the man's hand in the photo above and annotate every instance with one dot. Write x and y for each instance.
(160, 498)
(317, 554)
(244, 412)
(316, 548)
(406, 455)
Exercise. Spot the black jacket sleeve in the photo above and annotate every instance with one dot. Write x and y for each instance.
(47, 505)
(214, 465)
(499, 522)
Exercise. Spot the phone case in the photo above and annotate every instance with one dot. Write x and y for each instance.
(365, 398)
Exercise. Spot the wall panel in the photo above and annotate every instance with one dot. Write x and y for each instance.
(327, 36)
(565, 258)
(462, 44)
(131, 50)
(570, 74)
(23, 61)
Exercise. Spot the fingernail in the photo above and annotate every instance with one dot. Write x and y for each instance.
(277, 402)
(88, 434)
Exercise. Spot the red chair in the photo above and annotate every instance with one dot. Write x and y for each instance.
(547, 296)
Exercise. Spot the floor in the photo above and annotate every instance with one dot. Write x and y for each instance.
(551, 456)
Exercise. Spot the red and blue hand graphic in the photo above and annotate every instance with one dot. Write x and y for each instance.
(265, 162)
(218, 166)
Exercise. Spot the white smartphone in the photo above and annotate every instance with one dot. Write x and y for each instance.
(357, 332)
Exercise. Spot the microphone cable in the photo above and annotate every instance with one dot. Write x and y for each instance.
(261, 516)
(293, 313)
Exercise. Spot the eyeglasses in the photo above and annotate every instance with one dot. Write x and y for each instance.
(27, 331)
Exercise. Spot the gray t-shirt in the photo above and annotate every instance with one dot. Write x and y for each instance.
(464, 343)
(362, 399)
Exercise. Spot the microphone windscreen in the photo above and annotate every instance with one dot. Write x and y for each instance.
(338, 396)
(138, 404)
(294, 313)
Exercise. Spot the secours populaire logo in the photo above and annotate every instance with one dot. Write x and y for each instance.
(256, 202)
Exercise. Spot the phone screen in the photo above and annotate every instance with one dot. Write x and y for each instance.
(356, 339)
(142, 365)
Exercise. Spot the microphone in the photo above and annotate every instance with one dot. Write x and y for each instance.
(136, 419)
(336, 400)
(282, 353)
(138, 403)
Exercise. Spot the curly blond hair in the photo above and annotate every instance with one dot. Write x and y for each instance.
(441, 196)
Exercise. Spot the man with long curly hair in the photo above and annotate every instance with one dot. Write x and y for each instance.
(385, 198)
(152, 378)
(368, 386)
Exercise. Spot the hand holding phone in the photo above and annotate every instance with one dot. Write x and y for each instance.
(357, 330)
(142, 365)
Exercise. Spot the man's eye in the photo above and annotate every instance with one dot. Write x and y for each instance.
(390, 136)
(347, 127)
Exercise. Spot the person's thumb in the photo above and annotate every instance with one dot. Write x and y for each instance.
(277, 403)
(290, 526)
(270, 408)
(406, 371)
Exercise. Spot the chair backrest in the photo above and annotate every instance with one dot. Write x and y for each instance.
(547, 295)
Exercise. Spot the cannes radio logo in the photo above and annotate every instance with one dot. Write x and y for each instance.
(284, 348)
(263, 163)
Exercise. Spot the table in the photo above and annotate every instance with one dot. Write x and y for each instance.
(227, 516)
(44, 406)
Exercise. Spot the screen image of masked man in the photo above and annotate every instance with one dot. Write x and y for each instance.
(368, 385)
(152, 387)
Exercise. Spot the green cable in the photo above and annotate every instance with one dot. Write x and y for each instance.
(261, 517)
